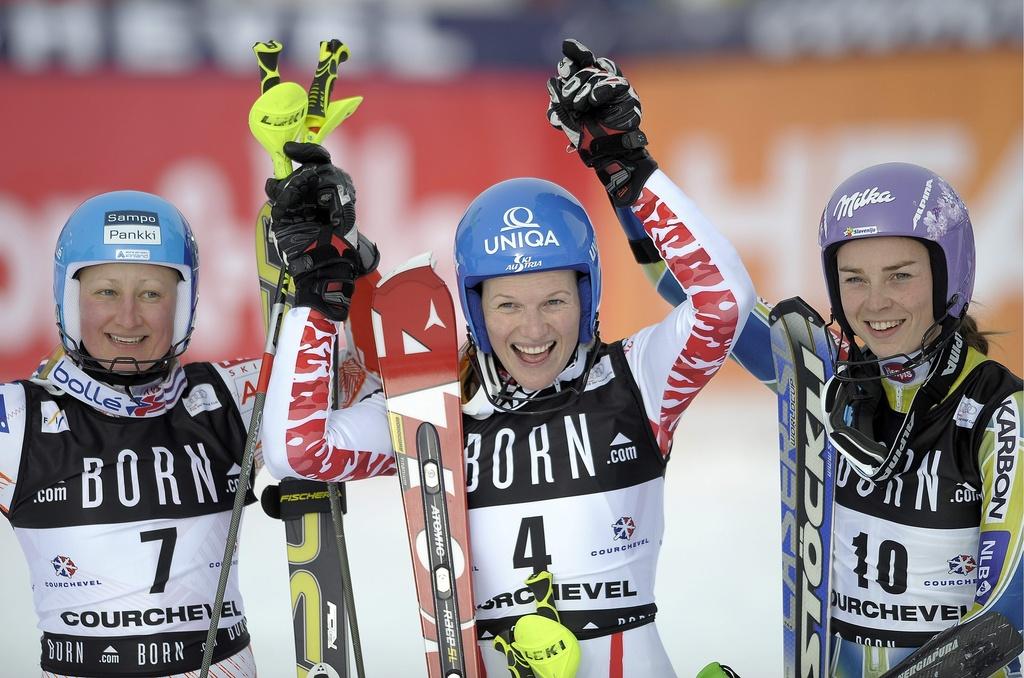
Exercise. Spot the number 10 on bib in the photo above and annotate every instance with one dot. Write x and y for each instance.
(417, 343)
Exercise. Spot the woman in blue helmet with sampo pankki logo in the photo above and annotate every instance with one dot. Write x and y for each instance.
(118, 464)
(117, 460)
(566, 437)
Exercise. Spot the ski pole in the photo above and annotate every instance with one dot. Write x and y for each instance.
(332, 53)
(273, 119)
(269, 347)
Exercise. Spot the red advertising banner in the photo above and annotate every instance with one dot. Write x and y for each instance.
(418, 152)
(758, 145)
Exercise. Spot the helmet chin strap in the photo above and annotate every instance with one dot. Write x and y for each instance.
(142, 371)
(863, 366)
(849, 406)
(506, 396)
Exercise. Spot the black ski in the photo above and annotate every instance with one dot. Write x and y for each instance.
(800, 352)
(974, 649)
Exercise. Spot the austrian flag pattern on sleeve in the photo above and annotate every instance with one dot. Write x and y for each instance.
(299, 400)
(694, 252)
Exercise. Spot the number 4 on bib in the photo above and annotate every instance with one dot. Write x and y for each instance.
(417, 343)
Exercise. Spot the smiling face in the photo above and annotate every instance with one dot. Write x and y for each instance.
(885, 285)
(533, 323)
(127, 311)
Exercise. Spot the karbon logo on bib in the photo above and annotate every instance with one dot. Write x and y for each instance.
(131, 227)
(518, 232)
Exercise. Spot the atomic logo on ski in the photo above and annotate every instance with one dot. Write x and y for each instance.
(413, 320)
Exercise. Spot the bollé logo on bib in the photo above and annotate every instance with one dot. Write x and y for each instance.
(519, 231)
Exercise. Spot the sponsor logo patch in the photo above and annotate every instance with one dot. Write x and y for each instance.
(131, 255)
(131, 227)
(600, 374)
(623, 528)
(921, 203)
(966, 415)
(520, 231)
(622, 449)
(859, 231)
(992, 549)
(848, 204)
(896, 372)
(53, 418)
(202, 398)
(64, 566)
(1007, 421)
(962, 564)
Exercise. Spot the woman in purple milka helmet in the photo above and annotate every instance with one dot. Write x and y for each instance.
(927, 526)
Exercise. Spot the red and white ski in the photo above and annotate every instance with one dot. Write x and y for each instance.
(414, 325)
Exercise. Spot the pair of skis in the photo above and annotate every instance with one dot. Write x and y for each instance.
(419, 365)
(802, 355)
(417, 343)
(323, 609)
(800, 352)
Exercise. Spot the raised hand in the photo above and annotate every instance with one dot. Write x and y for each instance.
(599, 111)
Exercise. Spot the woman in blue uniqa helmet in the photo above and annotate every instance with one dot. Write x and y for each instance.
(567, 436)
(118, 463)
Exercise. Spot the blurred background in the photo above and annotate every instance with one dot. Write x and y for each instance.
(757, 108)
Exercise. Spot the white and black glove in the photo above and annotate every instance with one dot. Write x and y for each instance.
(312, 225)
(599, 111)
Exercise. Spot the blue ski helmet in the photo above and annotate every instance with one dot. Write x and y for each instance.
(525, 226)
(901, 199)
(125, 227)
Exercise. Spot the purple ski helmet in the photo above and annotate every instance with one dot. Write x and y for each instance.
(901, 199)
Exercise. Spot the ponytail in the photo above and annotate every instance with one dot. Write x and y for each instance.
(974, 337)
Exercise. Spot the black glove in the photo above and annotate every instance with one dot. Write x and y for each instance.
(313, 226)
(313, 206)
(593, 103)
(330, 277)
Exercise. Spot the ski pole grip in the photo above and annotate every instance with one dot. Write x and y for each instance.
(267, 54)
(332, 52)
(541, 585)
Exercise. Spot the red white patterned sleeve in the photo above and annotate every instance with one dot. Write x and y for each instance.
(303, 436)
(674, 359)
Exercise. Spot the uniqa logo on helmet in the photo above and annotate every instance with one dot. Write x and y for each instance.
(519, 232)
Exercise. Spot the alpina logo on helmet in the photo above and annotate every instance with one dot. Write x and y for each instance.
(519, 232)
(848, 204)
(923, 202)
